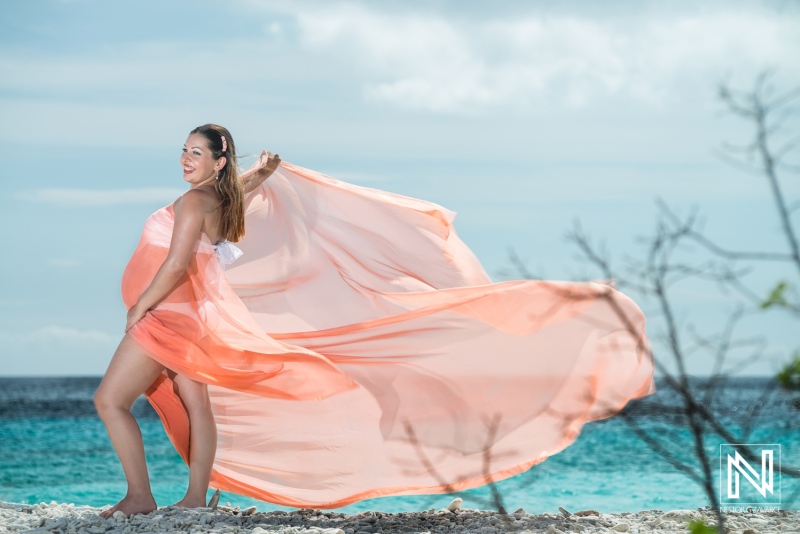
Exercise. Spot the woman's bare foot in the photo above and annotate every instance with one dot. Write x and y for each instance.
(132, 505)
(191, 502)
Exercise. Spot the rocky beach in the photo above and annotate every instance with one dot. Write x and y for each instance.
(75, 519)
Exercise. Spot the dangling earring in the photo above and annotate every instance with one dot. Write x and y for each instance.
(217, 178)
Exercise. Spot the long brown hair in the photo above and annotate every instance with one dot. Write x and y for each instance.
(228, 185)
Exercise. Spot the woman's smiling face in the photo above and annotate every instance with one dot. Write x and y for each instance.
(197, 160)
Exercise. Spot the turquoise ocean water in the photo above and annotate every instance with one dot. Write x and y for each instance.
(54, 447)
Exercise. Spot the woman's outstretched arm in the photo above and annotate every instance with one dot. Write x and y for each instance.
(266, 165)
(190, 212)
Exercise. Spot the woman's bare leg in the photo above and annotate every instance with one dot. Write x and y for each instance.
(129, 374)
(202, 439)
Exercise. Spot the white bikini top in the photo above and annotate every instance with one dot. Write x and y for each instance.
(227, 252)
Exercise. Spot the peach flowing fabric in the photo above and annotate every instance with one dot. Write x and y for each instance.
(358, 349)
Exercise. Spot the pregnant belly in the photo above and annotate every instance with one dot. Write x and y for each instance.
(142, 268)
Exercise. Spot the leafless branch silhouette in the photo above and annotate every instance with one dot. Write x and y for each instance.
(659, 269)
(429, 466)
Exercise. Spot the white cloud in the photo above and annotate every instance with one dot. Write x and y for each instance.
(99, 197)
(56, 351)
(449, 64)
(50, 335)
(65, 122)
(315, 63)
(453, 61)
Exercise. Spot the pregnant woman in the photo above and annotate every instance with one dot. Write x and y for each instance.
(349, 345)
(213, 208)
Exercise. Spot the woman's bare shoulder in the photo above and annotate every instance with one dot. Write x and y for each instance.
(199, 199)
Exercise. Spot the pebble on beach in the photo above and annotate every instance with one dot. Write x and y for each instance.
(70, 518)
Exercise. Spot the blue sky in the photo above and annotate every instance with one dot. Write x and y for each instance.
(522, 117)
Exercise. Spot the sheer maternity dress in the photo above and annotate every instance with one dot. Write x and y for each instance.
(354, 347)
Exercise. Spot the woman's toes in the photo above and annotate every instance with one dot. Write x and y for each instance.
(130, 506)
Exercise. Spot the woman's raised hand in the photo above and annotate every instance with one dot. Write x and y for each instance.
(268, 162)
(266, 165)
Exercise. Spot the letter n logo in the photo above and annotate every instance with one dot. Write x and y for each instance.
(741, 483)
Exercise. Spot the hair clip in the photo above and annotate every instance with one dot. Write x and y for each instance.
(224, 144)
